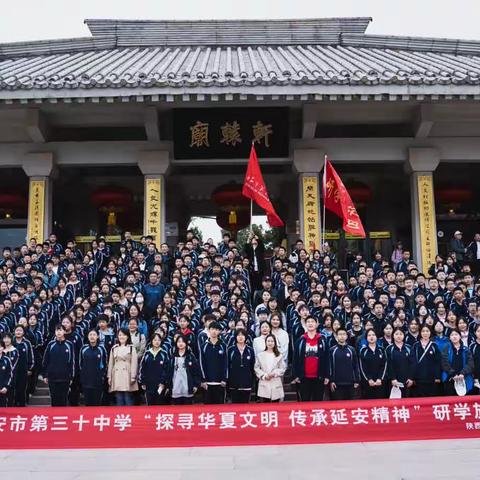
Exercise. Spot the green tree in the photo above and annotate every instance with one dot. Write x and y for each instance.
(196, 231)
(270, 237)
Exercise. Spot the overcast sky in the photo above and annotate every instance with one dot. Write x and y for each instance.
(42, 19)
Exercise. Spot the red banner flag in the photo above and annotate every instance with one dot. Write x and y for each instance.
(255, 189)
(240, 424)
(338, 201)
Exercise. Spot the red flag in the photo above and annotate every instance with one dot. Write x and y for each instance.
(255, 189)
(338, 201)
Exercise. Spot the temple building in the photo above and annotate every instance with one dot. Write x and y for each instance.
(137, 126)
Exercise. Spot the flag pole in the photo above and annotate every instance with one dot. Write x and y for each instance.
(324, 190)
(251, 201)
(251, 215)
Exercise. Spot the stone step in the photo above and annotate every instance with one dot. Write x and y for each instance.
(41, 397)
(39, 400)
(42, 390)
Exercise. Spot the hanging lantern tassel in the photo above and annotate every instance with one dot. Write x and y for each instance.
(111, 219)
(232, 221)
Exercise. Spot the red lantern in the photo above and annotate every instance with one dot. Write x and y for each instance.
(360, 193)
(111, 197)
(456, 195)
(229, 194)
(234, 212)
(224, 218)
(13, 203)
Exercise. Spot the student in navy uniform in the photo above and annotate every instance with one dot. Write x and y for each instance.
(59, 367)
(475, 351)
(412, 336)
(6, 376)
(24, 366)
(213, 363)
(12, 353)
(427, 365)
(440, 338)
(400, 363)
(93, 366)
(106, 334)
(373, 367)
(311, 363)
(151, 370)
(183, 376)
(203, 335)
(75, 338)
(387, 338)
(34, 334)
(344, 373)
(185, 328)
(457, 364)
(106, 338)
(241, 368)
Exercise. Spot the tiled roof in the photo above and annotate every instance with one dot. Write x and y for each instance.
(304, 53)
(226, 32)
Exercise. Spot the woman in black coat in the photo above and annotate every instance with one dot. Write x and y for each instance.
(255, 252)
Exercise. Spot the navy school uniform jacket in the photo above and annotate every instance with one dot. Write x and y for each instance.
(76, 340)
(4, 328)
(383, 342)
(194, 374)
(191, 340)
(410, 339)
(6, 372)
(373, 364)
(213, 362)
(322, 355)
(36, 339)
(401, 365)
(240, 367)
(107, 340)
(59, 361)
(13, 356)
(202, 339)
(344, 365)
(475, 351)
(151, 369)
(427, 362)
(92, 363)
(25, 356)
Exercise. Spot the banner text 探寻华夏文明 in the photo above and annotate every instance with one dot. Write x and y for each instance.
(247, 424)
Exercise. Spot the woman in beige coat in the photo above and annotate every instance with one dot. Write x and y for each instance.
(270, 368)
(122, 369)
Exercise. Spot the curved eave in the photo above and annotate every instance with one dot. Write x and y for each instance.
(213, 93)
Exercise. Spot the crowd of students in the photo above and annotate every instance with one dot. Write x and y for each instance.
(207, 322)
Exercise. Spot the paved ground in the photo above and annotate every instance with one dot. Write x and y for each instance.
(440, 459)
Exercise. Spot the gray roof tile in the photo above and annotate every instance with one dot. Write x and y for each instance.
(223, 54)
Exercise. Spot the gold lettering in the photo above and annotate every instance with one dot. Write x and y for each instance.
(261, 133)
(199, 135)
(231, 133)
